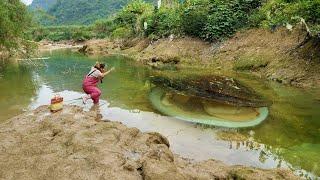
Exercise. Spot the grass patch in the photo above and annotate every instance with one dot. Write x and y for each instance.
(250, 63)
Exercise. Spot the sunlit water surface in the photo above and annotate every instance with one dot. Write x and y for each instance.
(289, 137)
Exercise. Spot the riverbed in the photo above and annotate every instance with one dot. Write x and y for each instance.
(289, 137)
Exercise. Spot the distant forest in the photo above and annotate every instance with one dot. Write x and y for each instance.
(75, 12)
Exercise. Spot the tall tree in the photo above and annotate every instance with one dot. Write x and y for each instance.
(14, 21)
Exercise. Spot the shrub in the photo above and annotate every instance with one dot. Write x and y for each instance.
(225, 17)
(131, 15)
(194, 17)
(103, 27)
(121, 32)
(250, 63)
(81, 35)
(57, 36)
(14, 21)
(280, 12)
(38, 34)
(211, 20)
(164, 22)
(58, 33)
(221, 23)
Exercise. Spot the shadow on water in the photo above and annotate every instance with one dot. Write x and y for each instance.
(289, 137)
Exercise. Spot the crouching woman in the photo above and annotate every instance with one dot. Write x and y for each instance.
(91, 80)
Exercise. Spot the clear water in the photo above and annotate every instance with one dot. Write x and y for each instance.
(289, 137)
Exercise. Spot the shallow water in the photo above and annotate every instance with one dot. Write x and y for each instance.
(289, 137)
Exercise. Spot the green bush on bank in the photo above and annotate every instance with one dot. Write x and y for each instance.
(194, 17)
(164, 22)
(210, 20)
(133, 15)
(250, 63)
(276, 13)
(14, 21)
(121, 33)
(102, 28)
(59, 33)
(226, 17)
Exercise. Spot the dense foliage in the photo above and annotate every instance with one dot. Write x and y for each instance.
(195, 16)
(14, 20)
(276, 13)
(207, 19)
(211, 20)
(164, 22)
(226, 17)
(132, 16)
(59, 33)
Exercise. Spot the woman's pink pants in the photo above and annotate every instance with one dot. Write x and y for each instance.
(89, 86)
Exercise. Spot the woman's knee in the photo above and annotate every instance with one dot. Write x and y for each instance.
(96, 93)
(95, 100)
(99, 92)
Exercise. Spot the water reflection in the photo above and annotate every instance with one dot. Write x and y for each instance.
(17, 87)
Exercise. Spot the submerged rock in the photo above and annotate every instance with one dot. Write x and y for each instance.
(83, 49)
(218, 88)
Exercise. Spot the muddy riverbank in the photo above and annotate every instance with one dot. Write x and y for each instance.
(270, 55)
(50, 46)
(74, 144)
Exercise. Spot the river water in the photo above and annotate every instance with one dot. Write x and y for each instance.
(288, 138)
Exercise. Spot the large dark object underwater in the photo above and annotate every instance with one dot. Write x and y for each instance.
(212, 100)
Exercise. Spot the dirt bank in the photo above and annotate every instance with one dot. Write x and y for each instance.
(73, 144)
(270, 55)
(49, 45)
(273, 55)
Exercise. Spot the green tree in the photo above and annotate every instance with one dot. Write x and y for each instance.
(133, 15)
(280, 12)
(167, 21)
(194, 16)
(226, 17)
(14, 21)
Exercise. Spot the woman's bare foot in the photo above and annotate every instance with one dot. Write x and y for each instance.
(85, 98)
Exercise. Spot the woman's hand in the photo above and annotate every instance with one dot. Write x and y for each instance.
(112, 69)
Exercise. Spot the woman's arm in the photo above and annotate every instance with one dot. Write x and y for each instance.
(105, 73)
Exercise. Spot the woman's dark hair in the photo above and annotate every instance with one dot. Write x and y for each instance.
(102, 65)
(99, 66)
